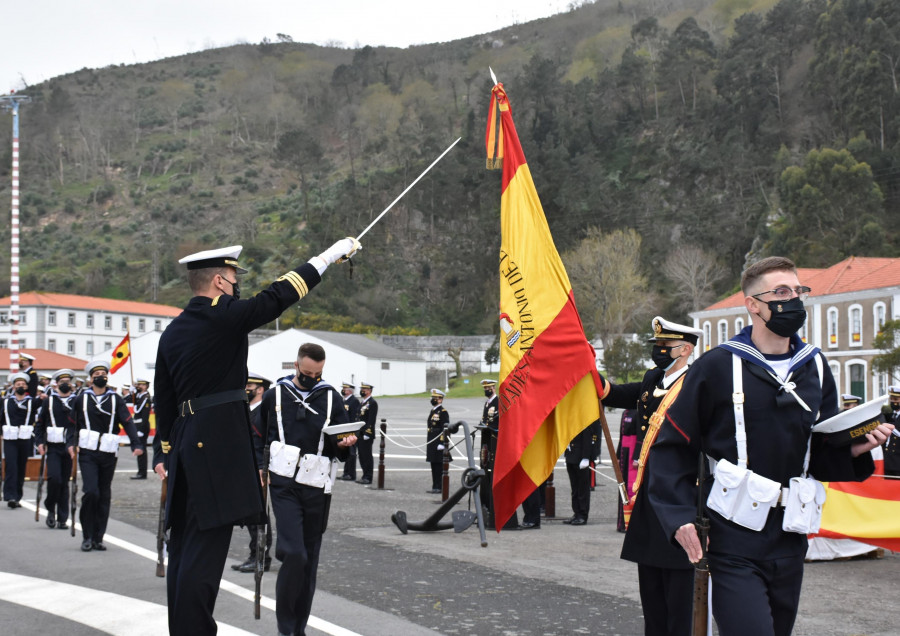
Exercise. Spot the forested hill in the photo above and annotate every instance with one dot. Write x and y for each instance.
(672, 140)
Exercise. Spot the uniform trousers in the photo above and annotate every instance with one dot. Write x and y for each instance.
(143, 430)
(366, 462)
(531, 508)
(301, 513)
(755, 598)
(437, 472)
(580, 481)
(97, 471)
(59, 472)
(667, 597)
(196, 561)
(350, 463)
(17, 452)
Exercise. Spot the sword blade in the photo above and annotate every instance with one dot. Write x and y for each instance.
(408, 188)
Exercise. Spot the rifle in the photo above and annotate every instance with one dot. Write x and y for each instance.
(40, 488)
(261, 532)
(701, 568)
(161, 531)
(74, 491)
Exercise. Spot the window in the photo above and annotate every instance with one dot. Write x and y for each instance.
(880, 314)
(125, 324)
(836, 372)
(142, 325)
(287, 365)
(882, 384)
(832, 327)
(107, 346)
(723, 331)
(385, 366)
(90, 321)
(51, 345)
(51, 318)
(4, 344)
(4, 317)
(89, 349)
(22, 344)
(856, 370)
(804, 331)
(23, 317)
(107, 322)
(738, 325)
(70, 347)
(71, 319)
(707, 336)
(157, 325)
(855, 318)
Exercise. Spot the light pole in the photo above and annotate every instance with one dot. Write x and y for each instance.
(11, 102)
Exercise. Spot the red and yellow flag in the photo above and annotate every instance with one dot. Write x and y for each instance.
(549, 383)
(867, 511)
(120, 354)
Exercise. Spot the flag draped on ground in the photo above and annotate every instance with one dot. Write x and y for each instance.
(548, 377)
(867, 511)
(120, 354)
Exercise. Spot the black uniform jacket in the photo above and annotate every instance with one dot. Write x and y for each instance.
(302, 426)
(62, 413)
(18, 410)
(351, 405)
(142, 402)
(892, 445)
(204, 352)
(438, 418)
(581, 446)
(368, 413)
(637, 395)
(702, 420)
(99, 409)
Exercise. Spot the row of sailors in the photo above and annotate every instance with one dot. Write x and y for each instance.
(89, 420)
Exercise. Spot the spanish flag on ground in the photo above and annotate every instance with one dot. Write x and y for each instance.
(120, 354)
(867, 511)
(549, 383)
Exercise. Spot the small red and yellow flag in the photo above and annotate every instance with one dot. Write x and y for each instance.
(120, 354)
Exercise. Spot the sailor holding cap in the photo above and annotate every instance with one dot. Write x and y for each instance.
(203, 425)
(54, 435)
(368, 413)
(19, 412)
(142, 401)
(891, 414)
(99, 412)
(351, 405)
(438, 419)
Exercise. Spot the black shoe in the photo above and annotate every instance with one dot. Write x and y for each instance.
(62, 525)
(51, 519)
(13, 504)
(433, 491)
(250, 566)
(528, 525)
(139, 476)
(364, 481)
(578, 521)
(348, 478)
(569, 521)
(98, 545)
(87, 545)
(250, 561)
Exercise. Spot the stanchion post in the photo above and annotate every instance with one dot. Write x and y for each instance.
(381, 455)
(445, 476)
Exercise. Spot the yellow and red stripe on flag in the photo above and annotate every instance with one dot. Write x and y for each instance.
(120, 354)
(867, 511)
(549, 383)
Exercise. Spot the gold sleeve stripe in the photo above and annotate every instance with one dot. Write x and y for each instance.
(297, 282)
(216, 300)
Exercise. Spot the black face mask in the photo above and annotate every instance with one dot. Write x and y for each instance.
(20, 390)
(434, 401)
(99, 381)
(65, 387)
(787, 317)
(307, 383)
(488, 393)
(236, 292)
(661, 358)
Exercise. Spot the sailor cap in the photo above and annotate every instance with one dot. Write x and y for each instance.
(894, 390)
(63, 373)
(258, 378)
(848, 398)
(18, 376)
(222, 257)
(25, 356)
(141, 380)
(667, 330)
(365, 385)
(347, 385)
(437, 393)
(93, 365)
(488, 382)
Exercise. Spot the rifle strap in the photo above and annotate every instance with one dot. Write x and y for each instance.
(656, 421)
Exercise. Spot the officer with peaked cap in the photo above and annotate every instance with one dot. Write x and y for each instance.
(203, 422)
(142, 402)
(891, 414)
(848, 401)
(368, 413)
(665, 576)
(438, 419)
(351, 405)
(54, 435)
(26, 366)
(99, 412)
(19, 412)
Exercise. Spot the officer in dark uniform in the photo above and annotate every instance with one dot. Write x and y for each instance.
(368, 413)
(490, 427)
(203, 422)
(578, 459)
(257, 385)
(665, 575)
(26, 366)
(143, 404)
(54, 435)
(438, 419)
(295, 411)
(99, 412)
(351, 405)
(891, 415)
(19, 412)
(849, 401)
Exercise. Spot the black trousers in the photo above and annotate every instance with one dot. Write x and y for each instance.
(196, 561)
(667, 598)
(143, 430)
(580, 481)
(17, 452)
(59, 472)
(755, 598)
(301, 513)
(350, 463)
(531, 508)
(366, 462)
(437, 471)
(97, 471)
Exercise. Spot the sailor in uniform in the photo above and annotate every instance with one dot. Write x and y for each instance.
(849, 401)
(438, 419)
(203, 422)
(351, 405)
(368, 413)
(891, 415)
(19, 412)
(143, 404)
(26, 366)
(99, 412)
(54, 436)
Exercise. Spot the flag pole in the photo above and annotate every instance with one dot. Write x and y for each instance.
(623, 491)
(130, 367)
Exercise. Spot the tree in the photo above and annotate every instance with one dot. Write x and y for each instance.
(304, 154)
(624, 360)
(492, 353)
(694, 272)
(456, 353)
(888, 341)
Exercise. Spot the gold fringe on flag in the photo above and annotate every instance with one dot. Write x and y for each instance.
(493, 137)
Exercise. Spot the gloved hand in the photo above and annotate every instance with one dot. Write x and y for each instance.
(440, 447)
(583, 464)
(366, 438)
(341, 251)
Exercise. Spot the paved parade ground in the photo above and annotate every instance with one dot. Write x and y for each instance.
(373, 580)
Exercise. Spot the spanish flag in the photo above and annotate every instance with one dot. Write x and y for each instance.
(549, 385)
(120, 354)
(867, 511)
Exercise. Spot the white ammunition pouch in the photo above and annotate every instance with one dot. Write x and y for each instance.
(94, 440)
(742, 496)
(56, 435)
(283, 459)
(88, 439)
(109, 443)
(803, 505)
(10, 430)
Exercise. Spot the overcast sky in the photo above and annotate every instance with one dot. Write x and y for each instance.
(46, 38)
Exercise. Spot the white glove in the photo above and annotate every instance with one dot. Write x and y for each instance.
(366, 438)
(341, 251)
(140, 434)
(440, 447)
(583, 464)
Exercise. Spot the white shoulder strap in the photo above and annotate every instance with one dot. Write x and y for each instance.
(737, 397)
(50, 408)
(278, 419)
(327, 422)
(6, 410)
